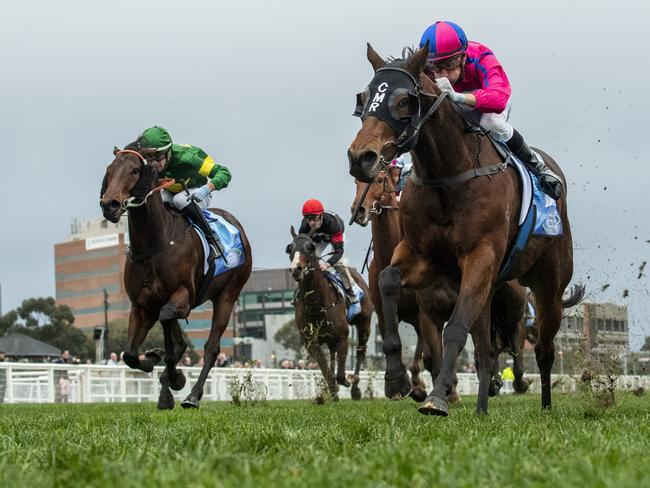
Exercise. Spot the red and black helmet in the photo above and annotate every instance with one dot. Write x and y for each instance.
(312, 207)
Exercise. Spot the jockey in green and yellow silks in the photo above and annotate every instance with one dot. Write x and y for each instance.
(195, 172)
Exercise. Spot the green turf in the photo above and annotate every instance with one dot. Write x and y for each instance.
(368, 443)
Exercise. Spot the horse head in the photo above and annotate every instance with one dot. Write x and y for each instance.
(379, 196)
(302, 253)
(127, 181)
(390, 111)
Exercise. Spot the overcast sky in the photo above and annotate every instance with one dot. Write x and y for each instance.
(268, 88)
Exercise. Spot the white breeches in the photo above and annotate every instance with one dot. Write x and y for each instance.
(181, 200)
(495, 123)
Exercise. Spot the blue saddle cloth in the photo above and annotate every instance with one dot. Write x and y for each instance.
(230, 239)
(352, 309)
(539, 214)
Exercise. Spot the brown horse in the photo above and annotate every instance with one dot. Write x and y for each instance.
(321, 315)
(164, 272)
(459, 222)
(381, 207)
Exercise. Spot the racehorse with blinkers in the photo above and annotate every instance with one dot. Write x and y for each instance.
(459, 220)
(164, 273)
(321, 315)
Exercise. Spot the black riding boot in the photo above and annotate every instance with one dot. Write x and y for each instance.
(194, 213)
(346, 277)
(550, 182)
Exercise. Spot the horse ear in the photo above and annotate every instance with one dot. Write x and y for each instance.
(115, 150)
(415, 63)
(293, 232)
(374, 58)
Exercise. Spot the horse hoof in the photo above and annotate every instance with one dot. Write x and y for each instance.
(521, 387)
(434, 405)
(495, 387)
(155, 355)
(418, 394)
(190, 402)
(397, 387)
(177, 381)
(335, 397)
(356, 392)
(343, 382)
(165, 400)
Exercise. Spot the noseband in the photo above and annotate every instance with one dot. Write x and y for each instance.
(377, 207)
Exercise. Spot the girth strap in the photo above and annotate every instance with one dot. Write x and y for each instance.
(460, 178)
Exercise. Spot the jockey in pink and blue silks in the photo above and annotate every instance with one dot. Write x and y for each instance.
(472, 75)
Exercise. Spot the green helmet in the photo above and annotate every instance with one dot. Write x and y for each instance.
(155, 138)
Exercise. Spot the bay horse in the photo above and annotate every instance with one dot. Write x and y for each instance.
(378, 205)
(164, 272)
(459, 221)
(321, 315)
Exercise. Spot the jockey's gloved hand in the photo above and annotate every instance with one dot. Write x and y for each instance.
(445, 85)
(200, 194)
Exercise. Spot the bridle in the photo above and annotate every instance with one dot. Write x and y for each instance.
(138, 201)
(408, 127)
(377, 206)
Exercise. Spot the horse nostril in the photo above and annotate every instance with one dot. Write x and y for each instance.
(368, 157)
(114, 204)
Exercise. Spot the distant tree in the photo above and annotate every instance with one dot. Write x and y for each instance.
(43, 319)
(289, 338)
(646, 344)
(7, 321)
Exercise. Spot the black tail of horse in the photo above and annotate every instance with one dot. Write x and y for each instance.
(577, 295)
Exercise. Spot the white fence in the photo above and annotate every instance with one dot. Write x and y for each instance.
(50, 383)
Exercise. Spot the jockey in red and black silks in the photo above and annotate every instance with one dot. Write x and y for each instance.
(474, 78)
(328, 229)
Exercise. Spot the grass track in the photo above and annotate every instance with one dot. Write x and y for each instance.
(369, 443)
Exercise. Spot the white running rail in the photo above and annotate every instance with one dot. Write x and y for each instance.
(50, 383)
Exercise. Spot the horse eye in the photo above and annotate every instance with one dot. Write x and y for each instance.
(311, 248)
(403, 102)
(136, 171)
(288, 249)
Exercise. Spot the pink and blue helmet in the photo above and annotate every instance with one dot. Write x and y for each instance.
(446, 40)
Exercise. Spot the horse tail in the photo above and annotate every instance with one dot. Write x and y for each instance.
(577, 295)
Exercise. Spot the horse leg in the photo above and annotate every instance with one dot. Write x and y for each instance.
(363, 331)
(222, 308)
(487, 364)
(520, 384)
(139, 326)
(342, 356)
(432, 323)
(478, 269)
(177, 306)
(174, 349)
(419, 392)
(397, 383)
(316, 353)
(549, 315)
